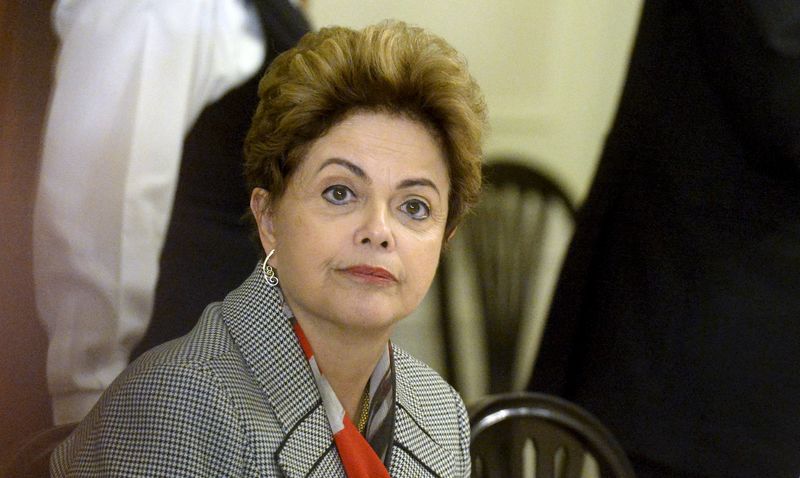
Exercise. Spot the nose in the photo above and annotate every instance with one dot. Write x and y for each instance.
(375, 229)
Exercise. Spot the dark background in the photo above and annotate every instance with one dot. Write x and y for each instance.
(27, 47)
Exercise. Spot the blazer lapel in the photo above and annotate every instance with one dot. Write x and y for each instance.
(253, 313)
(414, 452)
(308, 449)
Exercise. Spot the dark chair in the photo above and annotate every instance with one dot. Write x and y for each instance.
(31, 459)
(558, 434)
(504, 242)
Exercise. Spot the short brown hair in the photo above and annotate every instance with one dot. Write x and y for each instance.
(388, 67)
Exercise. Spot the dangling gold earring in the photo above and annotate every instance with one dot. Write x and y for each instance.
(268, 272)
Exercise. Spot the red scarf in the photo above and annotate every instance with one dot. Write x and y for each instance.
(358, 456)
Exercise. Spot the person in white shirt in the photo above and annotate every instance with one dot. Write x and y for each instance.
(131, 79)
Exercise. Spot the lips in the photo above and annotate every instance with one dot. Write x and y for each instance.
(376, 274)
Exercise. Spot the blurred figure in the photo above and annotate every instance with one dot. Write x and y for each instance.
(675, 320)
(141, 176)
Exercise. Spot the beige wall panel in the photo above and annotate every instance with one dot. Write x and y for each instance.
(551, 71)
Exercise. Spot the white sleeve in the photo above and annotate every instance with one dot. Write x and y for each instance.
(131, 78)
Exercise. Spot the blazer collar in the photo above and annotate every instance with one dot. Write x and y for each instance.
(254, 316)
(253, 313)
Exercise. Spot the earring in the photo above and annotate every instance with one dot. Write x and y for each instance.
(268, 272)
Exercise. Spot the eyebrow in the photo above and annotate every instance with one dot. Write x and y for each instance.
(353, 168)
(347, 164)
(410, 183)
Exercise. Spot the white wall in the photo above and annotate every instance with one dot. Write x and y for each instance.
(551, 71)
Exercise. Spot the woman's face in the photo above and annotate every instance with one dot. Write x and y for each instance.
(358, 232)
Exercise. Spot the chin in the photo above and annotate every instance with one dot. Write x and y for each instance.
(366, 308)
(372, 317)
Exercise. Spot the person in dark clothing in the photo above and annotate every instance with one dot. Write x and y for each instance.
(211, 197)
(675, 316)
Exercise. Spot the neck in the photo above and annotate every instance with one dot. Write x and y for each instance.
(346, 357)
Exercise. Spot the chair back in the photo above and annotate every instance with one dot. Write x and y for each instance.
(505, 242)
(557, 436)
(31, 459)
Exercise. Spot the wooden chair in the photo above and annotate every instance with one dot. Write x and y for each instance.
(558, 436)
(504, 245)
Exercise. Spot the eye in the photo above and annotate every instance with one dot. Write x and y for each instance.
(338, 194)
(416, 209)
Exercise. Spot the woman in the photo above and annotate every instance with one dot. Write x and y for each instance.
(363, 155)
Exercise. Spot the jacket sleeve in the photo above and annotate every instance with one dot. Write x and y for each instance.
(169, 421)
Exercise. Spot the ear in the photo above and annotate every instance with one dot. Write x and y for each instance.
(262, 211)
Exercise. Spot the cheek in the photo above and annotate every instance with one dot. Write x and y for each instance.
(423, 261)
(288, 249)
(303, 243)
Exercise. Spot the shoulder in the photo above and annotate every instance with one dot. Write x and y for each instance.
(426, 382)
(179, 401)
(207, 341)
(205, 361)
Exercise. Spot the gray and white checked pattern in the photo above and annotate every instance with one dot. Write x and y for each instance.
(235, 397)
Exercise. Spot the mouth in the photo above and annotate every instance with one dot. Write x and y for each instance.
(370, 274)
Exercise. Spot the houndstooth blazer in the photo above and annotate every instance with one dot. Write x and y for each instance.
(236, 397)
